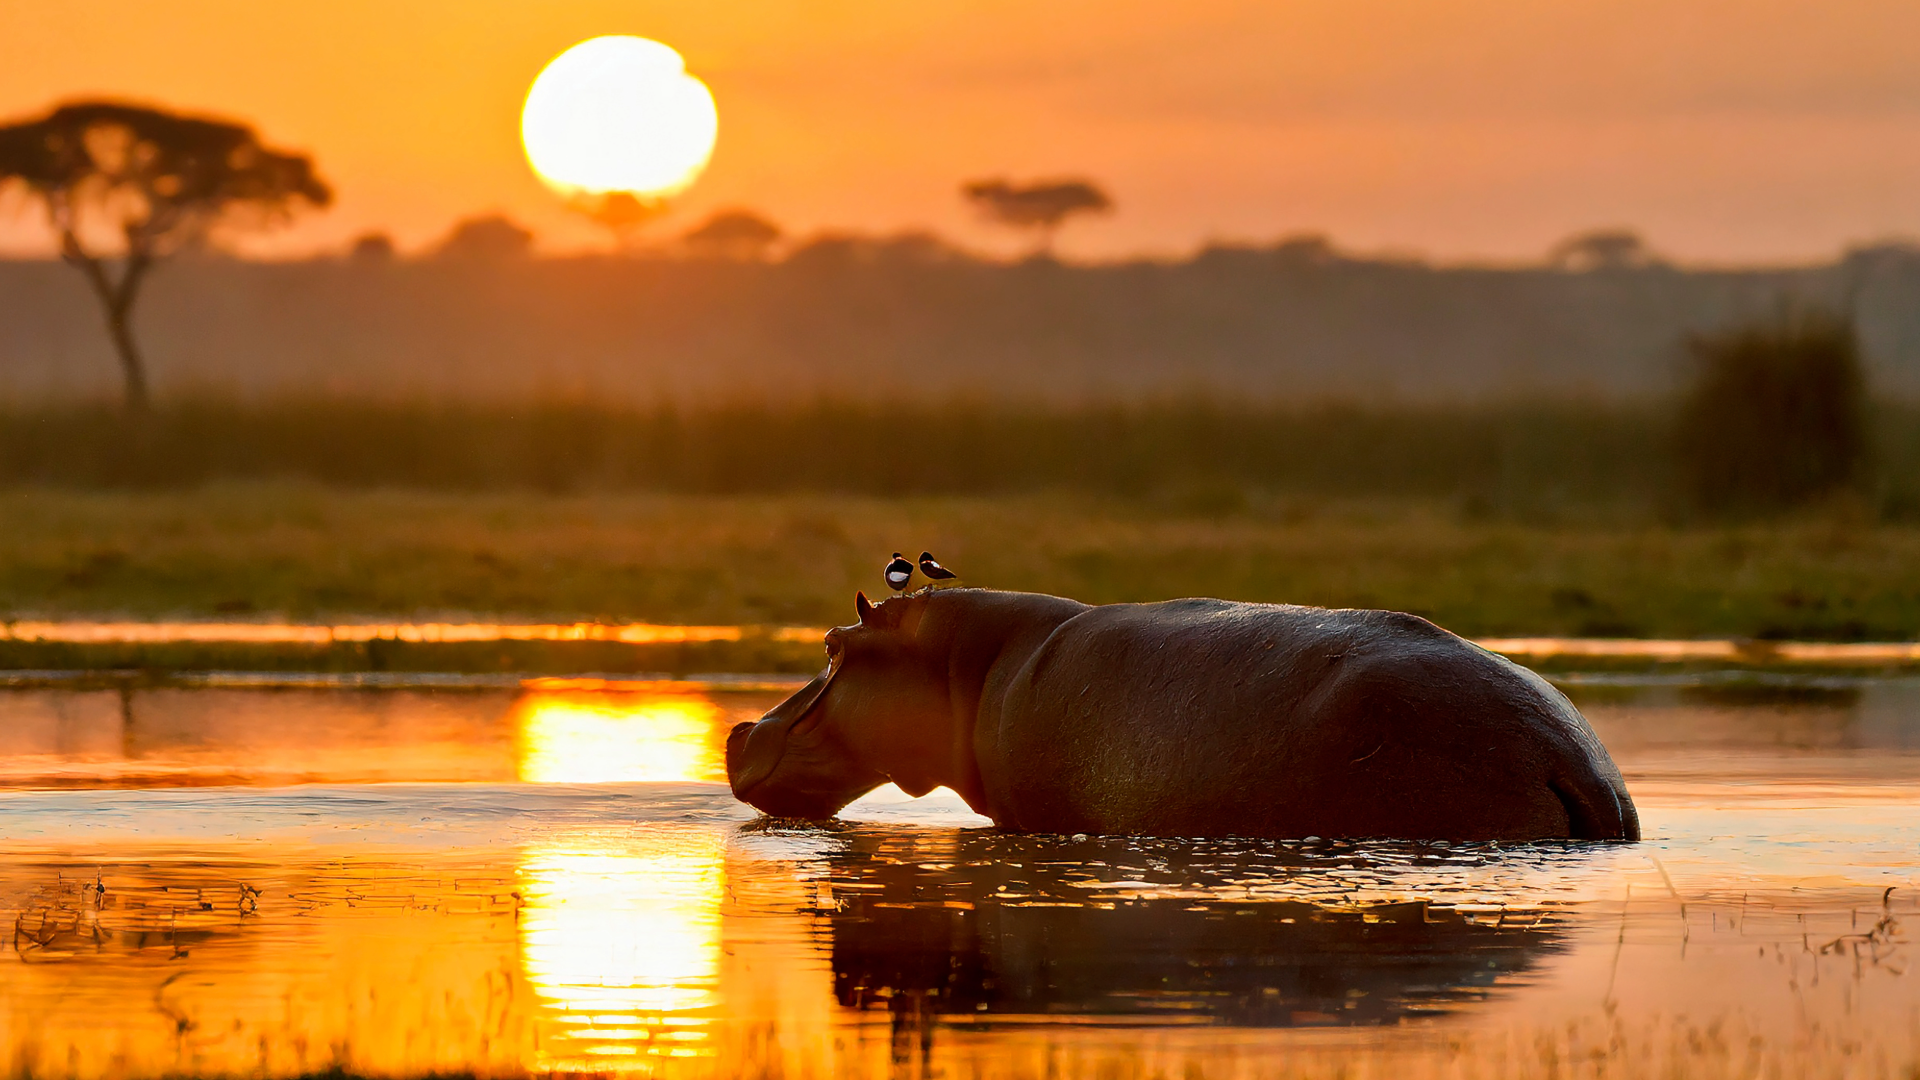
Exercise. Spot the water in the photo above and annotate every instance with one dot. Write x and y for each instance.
(506, 881)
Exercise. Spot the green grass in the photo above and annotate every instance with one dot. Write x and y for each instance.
(305, 553)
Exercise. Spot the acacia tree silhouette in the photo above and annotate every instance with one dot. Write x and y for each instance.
(158, 180)
(732, 234)
(1042, 207)
(621, 213)
(1602, 249)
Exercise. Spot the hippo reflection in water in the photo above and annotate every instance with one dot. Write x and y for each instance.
(981, 924)
(1185, 718)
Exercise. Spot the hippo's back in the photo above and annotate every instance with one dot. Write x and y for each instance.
(1204, 717)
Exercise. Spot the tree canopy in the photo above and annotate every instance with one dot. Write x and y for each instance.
(487, 238)
(732, 234)
(145, 183)
(1603, 249)
(1042, 206)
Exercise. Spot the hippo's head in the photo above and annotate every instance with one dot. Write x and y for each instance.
(878, 713)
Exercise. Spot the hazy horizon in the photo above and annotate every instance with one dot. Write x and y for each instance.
(667, 243)
(898, 321)
(1762, 132)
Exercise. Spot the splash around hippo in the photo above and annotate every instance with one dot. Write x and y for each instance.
(1184, 718)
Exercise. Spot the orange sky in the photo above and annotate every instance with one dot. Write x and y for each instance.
(1723, 129)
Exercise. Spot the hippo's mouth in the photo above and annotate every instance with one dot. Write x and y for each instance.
(754, 748)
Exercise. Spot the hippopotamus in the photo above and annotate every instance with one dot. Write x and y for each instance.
(1186, 718)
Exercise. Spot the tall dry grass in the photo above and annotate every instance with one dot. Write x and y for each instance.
(1198, 454)
(1205, 452)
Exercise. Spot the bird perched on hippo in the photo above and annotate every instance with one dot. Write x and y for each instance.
(936, 574)
(1184, 718)
(898, 572)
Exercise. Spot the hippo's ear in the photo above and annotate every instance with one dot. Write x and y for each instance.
(863, 606)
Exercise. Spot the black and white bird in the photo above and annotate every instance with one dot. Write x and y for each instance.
(899, 573)
(937, 575)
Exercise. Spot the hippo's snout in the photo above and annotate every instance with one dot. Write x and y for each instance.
(737, 754)
(736, 739)
(748, 764)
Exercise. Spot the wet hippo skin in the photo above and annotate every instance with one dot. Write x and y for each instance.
(1184, 718)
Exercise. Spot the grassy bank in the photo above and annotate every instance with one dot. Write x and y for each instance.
(303, 552)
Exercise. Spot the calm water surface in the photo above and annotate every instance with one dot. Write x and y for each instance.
(280, 882)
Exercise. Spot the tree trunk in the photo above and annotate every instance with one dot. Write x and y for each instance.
(117, 298)
(132, 367)
(1045, 249)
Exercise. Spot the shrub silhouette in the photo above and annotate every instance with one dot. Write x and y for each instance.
(1775, 416)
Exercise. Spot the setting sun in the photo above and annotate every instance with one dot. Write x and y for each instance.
(618, 114)
(584, 738)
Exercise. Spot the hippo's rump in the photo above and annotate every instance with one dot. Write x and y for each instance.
(1208, 718)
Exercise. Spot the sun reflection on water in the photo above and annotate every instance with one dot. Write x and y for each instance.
(620, 929)
(599, 738)
(620, 939)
